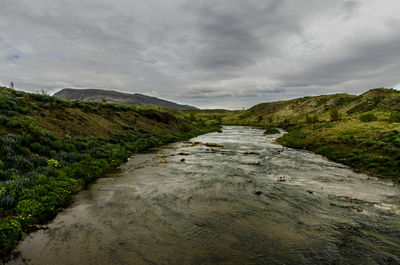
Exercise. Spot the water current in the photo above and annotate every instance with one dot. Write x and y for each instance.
(250, 201)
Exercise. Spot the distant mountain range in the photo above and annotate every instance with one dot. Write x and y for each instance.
(99, 95)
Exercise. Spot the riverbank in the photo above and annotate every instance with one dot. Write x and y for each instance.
(358, 131)
(248, 201)
(52, 148)
(372, 148)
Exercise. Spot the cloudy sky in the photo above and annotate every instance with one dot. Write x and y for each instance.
(219, 53)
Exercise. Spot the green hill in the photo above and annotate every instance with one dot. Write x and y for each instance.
(359, 131)
(51, 148)
(381, 101)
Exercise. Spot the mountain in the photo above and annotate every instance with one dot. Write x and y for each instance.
(99, 95)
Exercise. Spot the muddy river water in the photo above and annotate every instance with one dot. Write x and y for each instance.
(248, 202)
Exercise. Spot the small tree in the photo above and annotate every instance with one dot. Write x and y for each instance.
(12, 85)
(335, 116)
(260, 118)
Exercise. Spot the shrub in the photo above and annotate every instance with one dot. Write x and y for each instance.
(192, 117)
(311, 120)
(41, 149)
(184, 128)
(29, 208)
(394, 117)
(294, 138)
(10, 234)
(335, 115)
(128, 127)
(19, 122)
(7, 202)
(53, 163)
(272, 130)
(368, 117)
(396, 143)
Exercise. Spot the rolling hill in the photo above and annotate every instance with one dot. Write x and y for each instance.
(381, 101)
(359, 131)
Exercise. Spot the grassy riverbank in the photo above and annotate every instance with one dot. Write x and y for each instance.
(373, 148)
(358, 131)
(51, 148)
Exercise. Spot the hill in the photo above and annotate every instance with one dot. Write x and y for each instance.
(51, 148)
(360, 131)
(99, 95)
(380, 101)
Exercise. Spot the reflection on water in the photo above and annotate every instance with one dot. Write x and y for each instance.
(248, 202)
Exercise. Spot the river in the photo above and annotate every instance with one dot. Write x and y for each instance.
(248, 202)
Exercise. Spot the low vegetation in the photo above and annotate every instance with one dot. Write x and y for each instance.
(368, 117)
(51, 148)
(359, 131)
(372, 149)
(272, 130)
(216, 116)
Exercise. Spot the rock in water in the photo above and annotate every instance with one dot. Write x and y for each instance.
(213, 145)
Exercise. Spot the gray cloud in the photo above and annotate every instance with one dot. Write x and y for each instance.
(219, 53)
(372, 63)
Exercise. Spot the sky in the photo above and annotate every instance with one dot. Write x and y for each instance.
(212, 54)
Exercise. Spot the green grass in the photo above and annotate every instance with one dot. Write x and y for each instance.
(373, 149)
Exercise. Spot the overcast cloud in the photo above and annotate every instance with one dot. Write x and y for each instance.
(219, 53)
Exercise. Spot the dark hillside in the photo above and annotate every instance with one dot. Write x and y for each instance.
(99, 95)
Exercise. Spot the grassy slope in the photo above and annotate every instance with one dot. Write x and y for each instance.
(51, 148)
(209, 115)
(371, 147)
